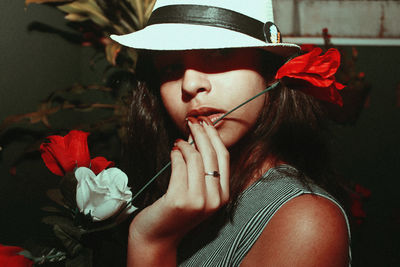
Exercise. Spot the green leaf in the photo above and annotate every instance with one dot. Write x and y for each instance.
(68, 239)
(140, 12)
(149, 8)
(88, 8)
(63, 221)
(66, 224)
(112, 51)
(26, 254)
(53, 255)
(76, 17)
(51, 209)
(68, 189)
(56, 196)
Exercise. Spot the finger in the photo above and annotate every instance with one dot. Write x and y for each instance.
(210, 160)
(222, 154)
(178, 181)
(203, 145)
(190, 139)
(194, 168)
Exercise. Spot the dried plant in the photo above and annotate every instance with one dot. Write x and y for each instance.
(93, 21)
(107, 17)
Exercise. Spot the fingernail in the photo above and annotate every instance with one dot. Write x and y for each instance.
(174, 148)
(193, 120)
(177, 141)
(206, 120)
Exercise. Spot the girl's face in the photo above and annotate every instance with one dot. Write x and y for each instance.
(210, 83)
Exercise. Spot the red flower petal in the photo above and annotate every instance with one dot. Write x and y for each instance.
(314, 79)
(298, 64)
(76, 144)
(327, 64)
(316, 70)
(10, 258)
(100, 163)
(311, 63)
(63, 154)
(329, 94)
(338, 86)
(9, 250)
(56, 139)
(50, 160)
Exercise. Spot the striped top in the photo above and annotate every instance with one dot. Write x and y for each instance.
(223, 242)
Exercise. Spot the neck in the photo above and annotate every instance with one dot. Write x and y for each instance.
(245, 156)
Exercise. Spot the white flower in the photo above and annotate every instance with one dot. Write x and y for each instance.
(103, 195)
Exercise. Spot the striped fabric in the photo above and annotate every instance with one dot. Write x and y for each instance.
(220, 241)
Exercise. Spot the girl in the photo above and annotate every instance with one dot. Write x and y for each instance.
(250, 190)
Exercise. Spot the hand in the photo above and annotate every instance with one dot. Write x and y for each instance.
(191, 197)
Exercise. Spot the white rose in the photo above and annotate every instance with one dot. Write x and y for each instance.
(103, 195)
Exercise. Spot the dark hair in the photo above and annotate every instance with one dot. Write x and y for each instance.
(291, 129)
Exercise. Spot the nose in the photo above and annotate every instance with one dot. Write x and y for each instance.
(194, 82)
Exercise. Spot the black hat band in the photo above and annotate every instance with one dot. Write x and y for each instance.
(209, 16)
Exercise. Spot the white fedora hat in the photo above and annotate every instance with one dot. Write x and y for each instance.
(209, 24)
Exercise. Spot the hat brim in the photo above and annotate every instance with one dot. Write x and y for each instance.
(172, 36)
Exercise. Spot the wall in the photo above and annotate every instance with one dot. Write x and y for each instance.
(27, 58)
(32, 65)
(368, 153)
(365, 22)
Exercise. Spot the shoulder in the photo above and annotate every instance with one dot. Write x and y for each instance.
(308, 230)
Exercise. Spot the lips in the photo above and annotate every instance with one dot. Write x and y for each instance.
(212, 113)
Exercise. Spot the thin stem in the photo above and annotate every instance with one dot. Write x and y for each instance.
(272, 86)
(151, 180)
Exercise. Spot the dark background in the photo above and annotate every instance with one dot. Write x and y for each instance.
(34, 64)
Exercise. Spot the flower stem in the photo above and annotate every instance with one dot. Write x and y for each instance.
(150, 181)
(272, 86)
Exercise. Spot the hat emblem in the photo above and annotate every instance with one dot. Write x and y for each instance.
(272, 33)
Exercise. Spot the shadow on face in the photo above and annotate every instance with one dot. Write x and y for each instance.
(171, 65)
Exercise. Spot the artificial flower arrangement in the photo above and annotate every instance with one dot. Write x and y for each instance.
(93, 196)
(101, 189)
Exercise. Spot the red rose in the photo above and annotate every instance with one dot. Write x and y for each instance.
(100, 163)
(9, 257)
(64, 154)
(317, 71)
